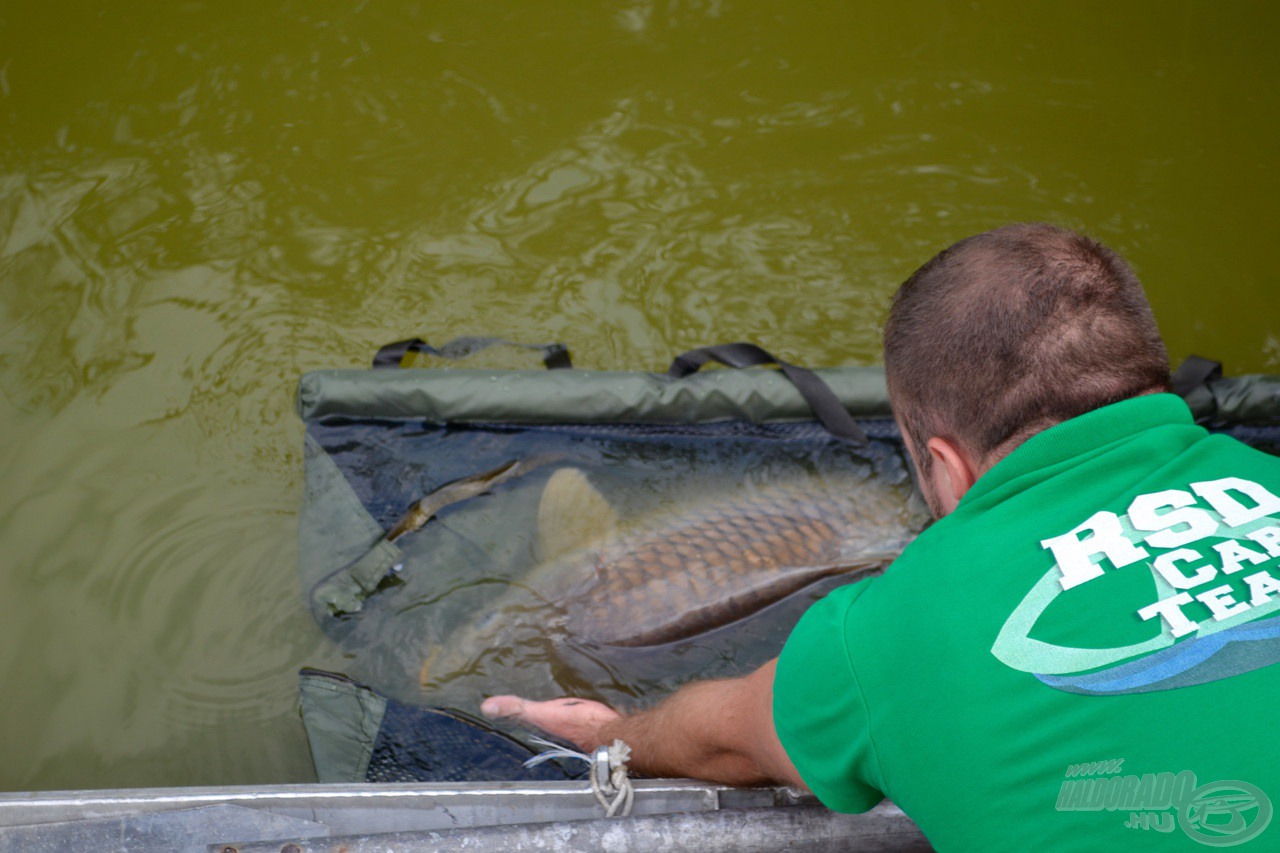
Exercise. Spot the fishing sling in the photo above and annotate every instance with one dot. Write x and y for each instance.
(381, 442)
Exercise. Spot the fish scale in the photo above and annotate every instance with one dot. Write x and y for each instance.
(694, 579)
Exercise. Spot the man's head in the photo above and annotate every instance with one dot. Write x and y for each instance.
(1007, 333)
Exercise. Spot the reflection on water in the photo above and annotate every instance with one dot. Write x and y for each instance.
(198, 202)
(619, 231)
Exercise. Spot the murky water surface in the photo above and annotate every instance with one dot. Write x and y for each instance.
(200, 201)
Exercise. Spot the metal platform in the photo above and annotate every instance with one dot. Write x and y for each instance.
(667, 815)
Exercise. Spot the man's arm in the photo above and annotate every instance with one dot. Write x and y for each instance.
(720, 731)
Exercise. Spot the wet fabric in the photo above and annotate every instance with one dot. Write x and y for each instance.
(378, 441)
(381, 600)
(581, 396)
(358, 735)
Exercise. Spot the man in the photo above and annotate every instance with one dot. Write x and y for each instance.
(1079, 654)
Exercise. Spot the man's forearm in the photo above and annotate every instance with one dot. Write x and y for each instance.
(697, 732)
(721, 731)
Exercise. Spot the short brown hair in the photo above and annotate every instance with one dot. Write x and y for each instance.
(1011, 331)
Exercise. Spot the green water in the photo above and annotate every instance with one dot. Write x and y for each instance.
(200, 201)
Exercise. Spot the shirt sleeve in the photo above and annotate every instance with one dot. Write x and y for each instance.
(819, 712)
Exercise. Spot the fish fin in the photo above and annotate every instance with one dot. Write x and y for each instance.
(452, 493)
(572, 515)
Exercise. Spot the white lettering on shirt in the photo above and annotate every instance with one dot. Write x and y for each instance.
(1233, 512)
(1168, 521)
(1195, 523)
(1105, 538)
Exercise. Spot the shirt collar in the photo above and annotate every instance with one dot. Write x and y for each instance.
(1083, 434)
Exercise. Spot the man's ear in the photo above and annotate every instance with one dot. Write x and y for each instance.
(955, 470)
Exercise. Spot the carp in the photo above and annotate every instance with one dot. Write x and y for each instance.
(673, 576)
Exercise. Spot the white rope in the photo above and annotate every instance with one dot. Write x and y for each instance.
(609, 780)
(618, 794)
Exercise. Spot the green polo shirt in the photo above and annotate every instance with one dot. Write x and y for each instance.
(1079, 657)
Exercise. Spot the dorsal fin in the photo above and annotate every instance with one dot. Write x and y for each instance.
(572, 515)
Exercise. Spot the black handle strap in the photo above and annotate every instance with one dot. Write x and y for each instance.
(825, 404)
(1193, 373)
(554, 356)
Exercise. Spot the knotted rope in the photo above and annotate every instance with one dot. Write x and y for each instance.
(609, 780)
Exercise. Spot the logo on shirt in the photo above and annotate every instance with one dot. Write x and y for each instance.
(1217, 814)
(1213, 553)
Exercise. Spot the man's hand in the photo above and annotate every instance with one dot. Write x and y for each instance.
(576, 720)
